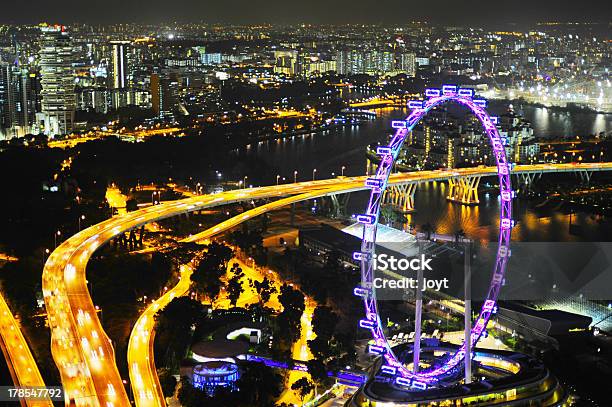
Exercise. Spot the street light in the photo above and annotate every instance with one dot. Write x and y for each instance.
(277, 178)
(244, 181)
(314, 173)
(55, 235)
(343, 168)
(295, 176)
(45, 255)
(82, 217)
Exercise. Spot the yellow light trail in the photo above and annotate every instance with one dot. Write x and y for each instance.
(80, 347)
(143, 375)
(18, 357)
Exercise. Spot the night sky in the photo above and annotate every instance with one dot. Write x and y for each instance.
(523, 12)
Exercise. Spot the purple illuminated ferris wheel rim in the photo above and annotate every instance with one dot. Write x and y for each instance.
(377, 184)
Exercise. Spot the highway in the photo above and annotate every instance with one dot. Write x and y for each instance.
(137, 134)
(81, 350)
(18, 356)
(143, 374)
(142, 358)
(379, 102)
(80, 347)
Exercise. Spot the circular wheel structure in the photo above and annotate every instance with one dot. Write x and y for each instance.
(377, 184)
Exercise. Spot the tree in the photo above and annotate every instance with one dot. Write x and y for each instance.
(319, 346)
(259, 385)
(324, 321)
(174, 325)
(234, 289)
(264, 288)
(237, 271)
(248, 241)
(221, 252)
(387, 213)
(209, 270)
(131, 205)
(303, 387)
(318, 372)
(292, 300)
(188, 395)
(182, 312)
(167, 381)
(392, 215)
(345, 349)
(183, 253)
(428, 229)
(288, 320)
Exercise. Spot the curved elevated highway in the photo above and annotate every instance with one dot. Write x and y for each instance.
(82, 350)
(19, 359)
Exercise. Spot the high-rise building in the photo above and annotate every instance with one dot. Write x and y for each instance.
(58, 81)
(407, 63)
(120, 74)
(17, 101)
(375, 62)
(286, 62)
(208, 58)
(350, 62)
(4, 100)
(120, 66)
(94, 98)
(164, 93)
(314, 64)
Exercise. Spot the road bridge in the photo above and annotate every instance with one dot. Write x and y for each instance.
(80, 347)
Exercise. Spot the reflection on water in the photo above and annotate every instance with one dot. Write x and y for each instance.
(481, 222)
(329, 151)
(555, 123)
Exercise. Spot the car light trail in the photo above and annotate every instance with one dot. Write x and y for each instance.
(85, 378)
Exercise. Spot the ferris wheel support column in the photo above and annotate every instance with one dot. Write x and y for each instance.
(416, 349)
(467, 281)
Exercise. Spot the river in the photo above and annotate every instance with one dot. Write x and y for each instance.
(329, 151)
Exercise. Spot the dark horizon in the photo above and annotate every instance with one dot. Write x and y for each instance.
(521, 13)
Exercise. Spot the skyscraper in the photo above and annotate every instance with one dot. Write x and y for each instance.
(120, 74)
(164, 93)
(58, 80)
(407, 63)
(375, 62)
(17, 102)
(120, 68)
(4, 99)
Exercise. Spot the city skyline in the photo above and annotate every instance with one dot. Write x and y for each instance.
(196, 214)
